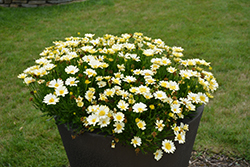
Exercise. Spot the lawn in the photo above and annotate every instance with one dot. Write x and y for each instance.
(215, 30)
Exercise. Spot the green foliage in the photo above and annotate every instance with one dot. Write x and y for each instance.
(126, 86)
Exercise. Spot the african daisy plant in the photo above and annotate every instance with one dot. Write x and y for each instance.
(133, 88)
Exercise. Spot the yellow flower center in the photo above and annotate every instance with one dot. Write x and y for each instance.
(93, 120)
(140, 109)
(119, 117)
(140, 125)
(118, 127)
(89, 73)
(143, 90)
(123, 107)
(159, 95)
(109, 93)
(168, 146)
(179, 137)
(173, 87)
(164, 84)
(160, 125)
(202, 98)
(102, 113)
(116, 81)
(51, 100)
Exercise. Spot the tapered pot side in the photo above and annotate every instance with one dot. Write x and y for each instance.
(94, 150)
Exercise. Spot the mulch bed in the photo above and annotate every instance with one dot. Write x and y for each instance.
(215, 160)
(206, 159)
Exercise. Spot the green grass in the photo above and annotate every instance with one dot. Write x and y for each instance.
(215, 30)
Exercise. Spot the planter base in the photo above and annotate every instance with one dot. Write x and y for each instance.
(94, 150)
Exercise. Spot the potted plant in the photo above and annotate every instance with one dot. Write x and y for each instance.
(135, 90)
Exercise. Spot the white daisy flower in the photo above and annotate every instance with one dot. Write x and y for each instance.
(148, 52)
(118, 75)
(49, 66)
(55, 83)
(177, 49)
(121, 67)
(203, 98)
(173, 85)
(135, 57)
(137, 72)
(190, 106)
(119, 127)
(143, 89)
(40, 72)
(102, 97)
(165, 61)
(88, 58)
(71, 69)
(95, 63)
(61, 91)
(109, 92)
(171, 69)
(175, 108)
(116, 80)
(139, 107)
(185, 73)
(123, 93)
(177, 54)
(104, 122)
(154, 67)
(71, 81)
(164, 84)
(176, 128)
(50, 99)
(156, 61)
(129, 79)
(160, 95)
(136, 141)
(119, 117)
(180, 137)
(158, 154)
(92, 109)
(22, 76)
(102, 111)
(149, 80)
(184, 126)
(42, 60)
(168, 146)
(122, 105)
(213, 85)
(147, 72)
(133, 89)
(89, 95)
(92, 119)
(193, 97)
(159, 125)
(90, 72)
(29, 80)
(141, 125)
(101, 84)
(98, 78)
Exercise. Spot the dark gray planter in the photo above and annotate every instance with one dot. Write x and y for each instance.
(93, 150)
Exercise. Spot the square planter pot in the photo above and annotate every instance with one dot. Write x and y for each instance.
(94, 150)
